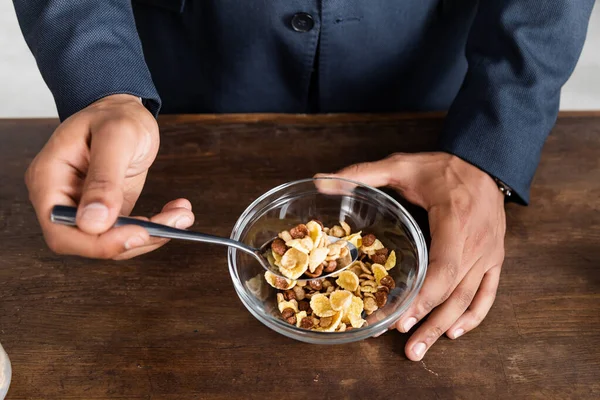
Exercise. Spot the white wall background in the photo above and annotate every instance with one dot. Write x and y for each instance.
(23, 93)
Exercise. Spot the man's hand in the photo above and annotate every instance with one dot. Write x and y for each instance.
(467, 221)
(98, 159)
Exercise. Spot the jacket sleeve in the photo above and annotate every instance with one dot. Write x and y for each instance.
(520, 53)
(86, 50)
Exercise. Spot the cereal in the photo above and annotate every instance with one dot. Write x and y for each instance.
(346, 228)
(285, 236)
(347, 280)
(315, 232)
(337, 231)
(293, 304)
(321, 306)
(337, 319)
(299, 317)
(370, 250)
(340, 300)
(317, 257)
(298, 292)
(294, 263)
(391, 261)
(355, 239)
(336, 304)
(278, 282)
(305, 245)
(379, 272)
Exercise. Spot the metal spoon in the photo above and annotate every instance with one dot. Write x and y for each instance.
(66, 215)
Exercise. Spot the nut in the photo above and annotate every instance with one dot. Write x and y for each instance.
(279, 246)
(289, 295)
(316, 284)
(291, 320)
(303, 305)
(288, 312)
(299, 232)
(380, 298)
(380, 256)
(383, 289)
(318, 272)
(368, 240)
(331, 266)
(388, 282)
(307, 323)
(325, 322)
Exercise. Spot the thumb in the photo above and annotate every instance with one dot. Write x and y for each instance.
(111, 152)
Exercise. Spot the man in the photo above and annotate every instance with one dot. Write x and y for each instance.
(496, 65)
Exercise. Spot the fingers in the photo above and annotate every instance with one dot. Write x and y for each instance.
(445, 271)
(374, 174)
(177, 213)
(480, 306)
(397, 171)
(443, 316)
(111, 151)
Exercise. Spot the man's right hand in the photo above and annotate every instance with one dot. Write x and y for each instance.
(98, 160)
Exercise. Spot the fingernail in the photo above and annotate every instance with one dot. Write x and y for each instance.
(95, 212)
(419, 349)
(133, 242)
(458, 332)
(409, 323)
(379, 334)
(183, 222)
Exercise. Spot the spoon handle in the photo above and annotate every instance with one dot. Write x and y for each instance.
(66, 215)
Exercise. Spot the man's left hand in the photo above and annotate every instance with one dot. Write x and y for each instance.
(467, 224)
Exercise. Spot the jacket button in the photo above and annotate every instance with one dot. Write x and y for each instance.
(302, 22)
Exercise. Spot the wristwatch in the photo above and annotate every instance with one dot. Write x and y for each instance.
(504, 188)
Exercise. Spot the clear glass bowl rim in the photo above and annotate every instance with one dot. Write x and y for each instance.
(316, 337)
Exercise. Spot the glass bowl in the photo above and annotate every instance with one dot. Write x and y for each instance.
(329, 200)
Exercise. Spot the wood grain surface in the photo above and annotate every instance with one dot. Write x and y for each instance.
(168, 325)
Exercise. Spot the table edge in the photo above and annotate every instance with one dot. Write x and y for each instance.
(250, 118)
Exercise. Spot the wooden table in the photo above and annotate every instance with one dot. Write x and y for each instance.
(169, 325)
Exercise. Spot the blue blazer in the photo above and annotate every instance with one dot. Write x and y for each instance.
(497, 66)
